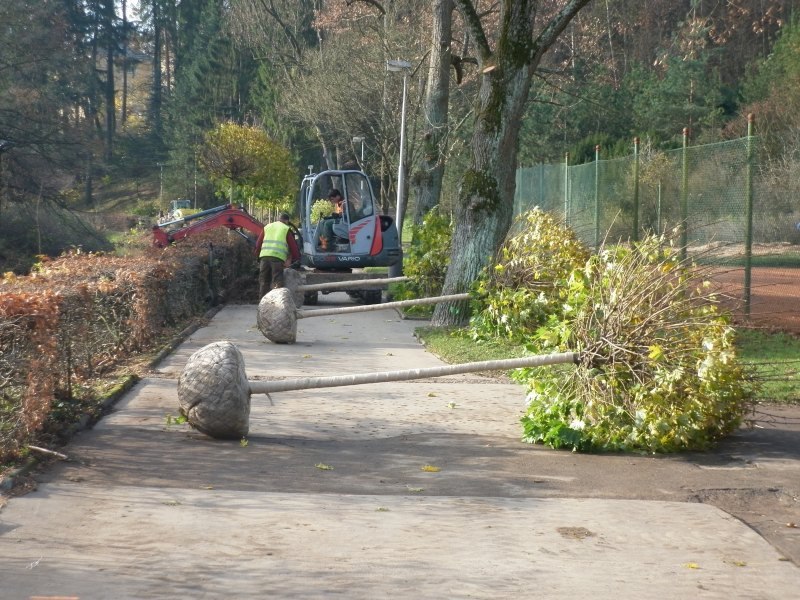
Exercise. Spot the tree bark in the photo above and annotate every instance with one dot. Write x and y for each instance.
(110, 92)
(427, 181)
(124, 100)
(155, 100)
(486, 198)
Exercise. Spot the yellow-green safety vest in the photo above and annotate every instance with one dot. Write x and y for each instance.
(274, 243)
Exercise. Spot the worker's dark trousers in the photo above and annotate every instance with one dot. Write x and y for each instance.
(270, 274)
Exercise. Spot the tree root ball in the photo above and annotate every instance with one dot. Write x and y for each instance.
(292, 278)
(214, 393)
(277, 316)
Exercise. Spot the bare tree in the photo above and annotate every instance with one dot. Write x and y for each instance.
(427, 180)
(485, 204)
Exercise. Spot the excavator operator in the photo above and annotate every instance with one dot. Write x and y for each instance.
(327, 238)
(274, 247)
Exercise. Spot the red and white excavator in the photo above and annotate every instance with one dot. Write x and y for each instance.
(333, 247)
(234, 218)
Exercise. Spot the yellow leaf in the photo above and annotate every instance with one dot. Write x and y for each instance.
(430, 469)
(431, 395)
(656, 352)
(416, 490)
(736, 563)
(692, 566)
(323, 467)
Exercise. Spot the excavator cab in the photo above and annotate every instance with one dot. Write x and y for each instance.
(349, 235)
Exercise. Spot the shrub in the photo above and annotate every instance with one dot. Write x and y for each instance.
(68, 326)
(426, 260)
(521, 289)
(658, 370)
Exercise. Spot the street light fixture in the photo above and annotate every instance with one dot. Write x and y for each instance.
(402, 66)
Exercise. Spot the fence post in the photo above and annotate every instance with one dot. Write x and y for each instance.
(685, 195)
(658, 209)
(541, 186)
(635, 236)
(748, 234)
(597, 197)
(566, 189)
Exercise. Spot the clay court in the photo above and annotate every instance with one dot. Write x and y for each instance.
(774, 296)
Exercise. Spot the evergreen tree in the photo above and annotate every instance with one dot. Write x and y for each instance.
(213, 80)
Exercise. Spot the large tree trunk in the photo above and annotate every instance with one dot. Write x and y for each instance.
(427, 181)
(486, 199)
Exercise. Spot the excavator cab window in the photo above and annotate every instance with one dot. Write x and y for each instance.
(344, 238)
(354, 186)
(358, 197)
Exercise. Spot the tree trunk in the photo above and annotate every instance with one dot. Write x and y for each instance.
(486, 198)
(124, 100)
(427, 181)
(88, 191)
(327, 152)
(110, 94)
(167, 59)
(155, 100)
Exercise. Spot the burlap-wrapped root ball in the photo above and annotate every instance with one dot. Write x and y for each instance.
(277, 316)
(213, 391)
(292, 278)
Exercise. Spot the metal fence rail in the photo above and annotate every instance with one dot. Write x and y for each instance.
(727, 211)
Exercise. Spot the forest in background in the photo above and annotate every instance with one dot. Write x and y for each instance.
(106, 105)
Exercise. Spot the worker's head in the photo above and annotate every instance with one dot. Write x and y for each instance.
(335, 196)
(284, 218)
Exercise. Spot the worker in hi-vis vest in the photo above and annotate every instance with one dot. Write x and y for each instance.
(274, 247)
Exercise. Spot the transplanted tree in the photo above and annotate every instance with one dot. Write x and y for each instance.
(247, 159)
(485, 205)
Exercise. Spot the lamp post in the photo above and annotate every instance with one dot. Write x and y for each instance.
(402, 66)
(360, 139)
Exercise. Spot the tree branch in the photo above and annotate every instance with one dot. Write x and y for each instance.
(473, 23)
(374, 3)
(554, 28)
(272, 11)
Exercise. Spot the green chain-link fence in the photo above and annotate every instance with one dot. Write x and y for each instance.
(725, 211)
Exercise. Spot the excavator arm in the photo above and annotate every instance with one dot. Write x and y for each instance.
(235, 219)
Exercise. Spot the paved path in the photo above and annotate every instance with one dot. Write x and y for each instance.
(328, 497)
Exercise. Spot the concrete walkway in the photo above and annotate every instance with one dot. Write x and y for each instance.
(403, 490)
